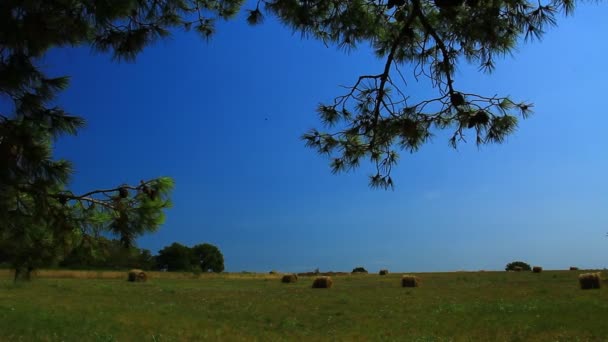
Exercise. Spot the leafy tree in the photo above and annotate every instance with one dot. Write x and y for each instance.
(177, 257)
(202, 257)
(209, 257)
(359, 270)
(511, 266)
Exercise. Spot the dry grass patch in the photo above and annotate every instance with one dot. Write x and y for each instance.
(322, 283)
(590, 280)
(410, 281)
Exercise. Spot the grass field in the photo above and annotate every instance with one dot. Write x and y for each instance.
(459, 306)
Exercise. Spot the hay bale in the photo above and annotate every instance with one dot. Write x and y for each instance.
(289, 278)
(383, 272)
(572, 268)
(137, 275)
(590, 280)
(518, 268)
(410, 281)
(322, 283)
(537, 269)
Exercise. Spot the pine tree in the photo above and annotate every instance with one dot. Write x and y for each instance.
(378, 116)
(40, 219)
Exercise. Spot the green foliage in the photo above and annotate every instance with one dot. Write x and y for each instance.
(210, 258)
(203, 257)
(359, 270)
(176, 257)
(102, 253)
(511, 266)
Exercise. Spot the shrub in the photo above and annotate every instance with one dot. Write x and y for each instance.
(518, 268)
(273, 272)
(322, 283)
(537, 269)
(511, 266)
(383, 272)
(359, 270)
(410, 281)
(137, 275)
(572, 268)
(289, 278)
(589, 280)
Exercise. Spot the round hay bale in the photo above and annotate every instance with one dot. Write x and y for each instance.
(322, 283)
(537, 269)
(410, 281)
(572, 268)
(289, 278)
(383, 272)
(590, 280)
(137, 275)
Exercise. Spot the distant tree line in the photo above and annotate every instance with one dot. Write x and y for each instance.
(203, 257)
(111, 254)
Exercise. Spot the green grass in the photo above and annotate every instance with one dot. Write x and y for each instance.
(485, 306)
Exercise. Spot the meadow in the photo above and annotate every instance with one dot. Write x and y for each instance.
(457, 306)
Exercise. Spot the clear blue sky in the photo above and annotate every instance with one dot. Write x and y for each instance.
(196, 111)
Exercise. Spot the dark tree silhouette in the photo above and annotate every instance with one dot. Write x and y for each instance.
(380, 115)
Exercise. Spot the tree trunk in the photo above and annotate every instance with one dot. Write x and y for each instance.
(23, 273)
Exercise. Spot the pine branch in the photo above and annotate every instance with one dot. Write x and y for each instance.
(387, 68)
(444, 51)
(105, 191)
